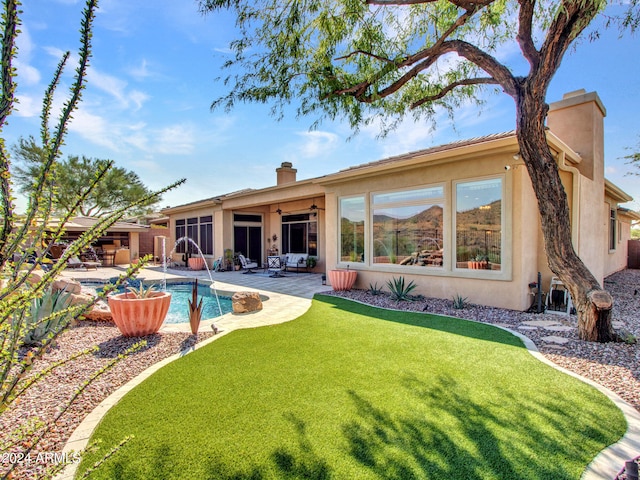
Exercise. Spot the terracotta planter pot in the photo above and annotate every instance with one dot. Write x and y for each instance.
(196, 263)
(136, 317)
(342, 279)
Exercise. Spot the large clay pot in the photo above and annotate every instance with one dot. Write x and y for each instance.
(342, 279)
(136, 317)
(196, 263)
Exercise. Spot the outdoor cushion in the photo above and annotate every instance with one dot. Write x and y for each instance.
(296, 260)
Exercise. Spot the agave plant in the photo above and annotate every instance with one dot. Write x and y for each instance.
(47, 316)
(374, 289)
(141, 292)
(398, 289)
(459, 302)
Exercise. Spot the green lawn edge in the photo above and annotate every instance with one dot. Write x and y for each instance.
(353, 391)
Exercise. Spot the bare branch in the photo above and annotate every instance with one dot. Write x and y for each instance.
(451, 86)
(571, 20)
(498, 72)
(524, 37)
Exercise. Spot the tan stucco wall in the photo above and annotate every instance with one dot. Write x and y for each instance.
(214, 211)
(616, 260)
(134, 245)
(507, 288)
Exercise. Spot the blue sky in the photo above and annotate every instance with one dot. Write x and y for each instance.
(152, 80)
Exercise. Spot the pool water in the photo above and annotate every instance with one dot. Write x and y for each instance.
(181, 295)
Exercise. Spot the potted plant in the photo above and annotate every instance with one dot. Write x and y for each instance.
(480, 262)
(311, 262)
(139, 311)
(196, 263)
(228, 259)
(342, 279)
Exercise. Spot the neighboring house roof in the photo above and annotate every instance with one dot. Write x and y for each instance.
(634, 216)
(82, 224)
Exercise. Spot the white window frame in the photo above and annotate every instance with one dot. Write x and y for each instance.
(505, 240)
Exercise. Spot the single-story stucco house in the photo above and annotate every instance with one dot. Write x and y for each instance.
(457, 219)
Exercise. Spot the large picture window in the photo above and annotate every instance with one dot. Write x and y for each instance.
(479, 224)
(352, 229)
(407, 227)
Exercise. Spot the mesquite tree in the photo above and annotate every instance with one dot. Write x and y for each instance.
(384, 59)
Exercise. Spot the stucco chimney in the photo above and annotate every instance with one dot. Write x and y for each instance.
(286, 173)
(578, 120)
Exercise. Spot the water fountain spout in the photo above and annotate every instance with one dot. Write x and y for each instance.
(187, 241)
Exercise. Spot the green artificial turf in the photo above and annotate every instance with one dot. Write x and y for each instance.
(349, 391)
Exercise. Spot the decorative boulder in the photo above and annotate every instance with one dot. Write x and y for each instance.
(99, 313)
(80, 299)
(35, 277)
(66, 284)
(246, 302)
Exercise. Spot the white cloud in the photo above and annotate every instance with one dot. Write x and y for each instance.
(94, 128)
(141, 72)
(28, 106)
(27, 74)
(117, 88)
(58, 53)
(175, 139)
(316, 143)
(610, 170)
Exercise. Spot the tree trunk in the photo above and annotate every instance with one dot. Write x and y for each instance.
(593, 304)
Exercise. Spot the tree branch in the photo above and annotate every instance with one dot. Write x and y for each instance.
(451, 86)
(571, 20)
(498, 72)
(524, 37)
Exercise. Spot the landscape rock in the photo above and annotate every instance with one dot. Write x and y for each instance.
(99, 313)
(66, 284)
(246, 302)
(80, 299)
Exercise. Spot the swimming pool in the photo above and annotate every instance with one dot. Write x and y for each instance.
(180, 296)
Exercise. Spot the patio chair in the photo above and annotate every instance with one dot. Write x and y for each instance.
(247, 264)
(75, 262)
(275, 266)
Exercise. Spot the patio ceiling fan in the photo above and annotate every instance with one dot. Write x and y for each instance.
(314, 206)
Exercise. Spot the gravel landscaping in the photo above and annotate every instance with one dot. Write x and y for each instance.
(616, 366)
(44, 400)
